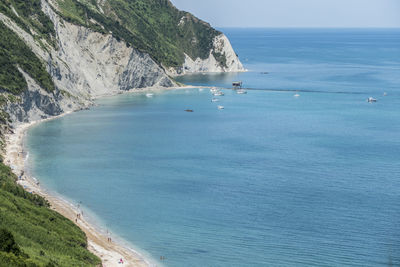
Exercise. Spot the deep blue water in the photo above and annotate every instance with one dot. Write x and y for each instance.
(272, 180)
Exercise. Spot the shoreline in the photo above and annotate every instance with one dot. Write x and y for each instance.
(109, 252)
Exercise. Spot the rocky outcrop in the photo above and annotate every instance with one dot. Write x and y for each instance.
(89, 63)
(222, 49)
(85, 64)
(35, 103)
(141, 71)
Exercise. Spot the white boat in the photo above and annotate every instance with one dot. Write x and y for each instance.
(241, 91)
(201, 89)
(215, 100)
(371, 100)
(219, 93)
(149, 95)
(214, 90)
(384, 94)
(296, 95)
(221, 107)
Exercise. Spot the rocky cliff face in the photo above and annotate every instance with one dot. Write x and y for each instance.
(222, 48)
(36, 103)
(89, 63)
(85, 64)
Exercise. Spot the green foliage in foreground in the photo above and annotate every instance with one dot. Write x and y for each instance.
(152, 26)
(31, 234)
(15, 53)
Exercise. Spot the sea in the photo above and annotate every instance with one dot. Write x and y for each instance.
(300, 171)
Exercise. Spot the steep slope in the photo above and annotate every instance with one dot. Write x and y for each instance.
(56, 56)
(33, 235)
(14, 50)
(176, 39)
(82, 64)
(94, 48)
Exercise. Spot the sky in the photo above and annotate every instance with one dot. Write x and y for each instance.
(296, 13)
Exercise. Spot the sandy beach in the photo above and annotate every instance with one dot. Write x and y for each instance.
(110, 253)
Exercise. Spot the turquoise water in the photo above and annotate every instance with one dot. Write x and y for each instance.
(272, 180)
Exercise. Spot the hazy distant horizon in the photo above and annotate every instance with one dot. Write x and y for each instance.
(325, 14)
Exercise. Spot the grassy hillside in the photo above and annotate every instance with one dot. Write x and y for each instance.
(152, 26)
(29, 16)
(15, 53)
(33, 235)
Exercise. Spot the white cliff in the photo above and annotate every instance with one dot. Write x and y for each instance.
(95, 64)
(221, 46)
(85, 64)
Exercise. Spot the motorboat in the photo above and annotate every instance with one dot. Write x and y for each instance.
(237, 85)
(189, 110)
(241, 91)
(371, 100)
(215, 100)
(296, 95)
(219, 93)
(221, 107)
(149, 95)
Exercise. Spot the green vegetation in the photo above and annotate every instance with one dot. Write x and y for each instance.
(15, 53)
(221, 58)
(10, 252)
(4, 117)
(28, 15)
(152, 26)
(31, 234)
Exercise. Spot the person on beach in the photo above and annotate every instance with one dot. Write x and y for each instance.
(121, 261)
(108, 237)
